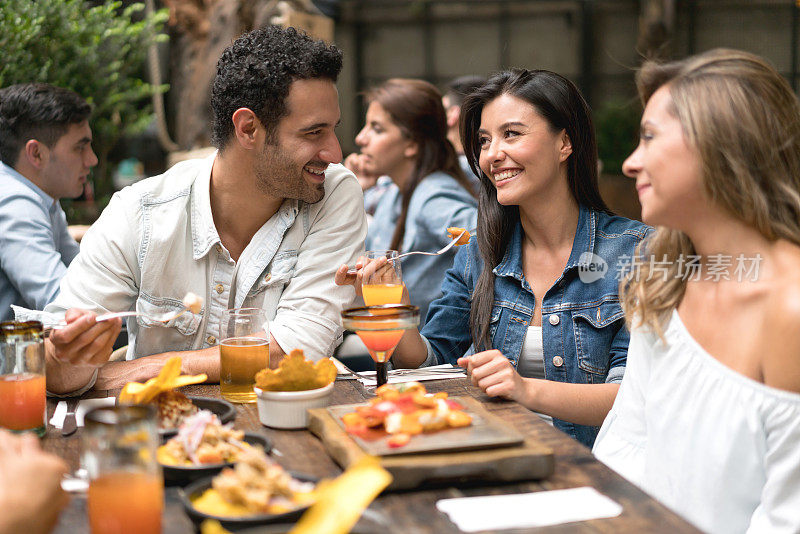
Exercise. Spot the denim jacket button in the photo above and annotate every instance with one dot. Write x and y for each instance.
(211, 340)
(220, 288)
(558, 361)
(554, 320)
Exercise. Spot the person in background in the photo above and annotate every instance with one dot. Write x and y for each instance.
(261, 223)
(456, 90)
(31, 497)
(46, 153)
(405, 138)
(707, 419)
(536, 291)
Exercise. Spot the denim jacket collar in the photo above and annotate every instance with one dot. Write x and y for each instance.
(511, 266)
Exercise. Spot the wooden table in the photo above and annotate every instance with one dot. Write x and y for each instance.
(415, 511)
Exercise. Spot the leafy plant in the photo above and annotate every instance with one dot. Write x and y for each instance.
(617, 126)
(97, 50)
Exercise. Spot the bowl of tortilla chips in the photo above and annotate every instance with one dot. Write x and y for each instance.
(285, 394)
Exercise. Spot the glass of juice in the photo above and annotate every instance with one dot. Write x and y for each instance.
(23, 403)
(243, 352)
(380, 328)
(126, 491)
(383, 278)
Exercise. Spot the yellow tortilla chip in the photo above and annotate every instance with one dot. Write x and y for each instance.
(168, 378)
(295, 373)
(340, 502)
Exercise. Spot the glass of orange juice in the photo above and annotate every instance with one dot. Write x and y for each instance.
(22, 377)
(243, 352)
(126, 491)
(383, 278)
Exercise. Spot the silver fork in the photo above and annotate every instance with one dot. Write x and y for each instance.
(162, 318)
(442, 250)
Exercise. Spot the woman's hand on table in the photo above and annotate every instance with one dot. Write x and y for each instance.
(495, 375)
(31, 497)
(84, 341)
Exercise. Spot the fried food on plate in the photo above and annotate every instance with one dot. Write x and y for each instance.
(405, 410)
(202, 439)
(295, 373)
(255, 485)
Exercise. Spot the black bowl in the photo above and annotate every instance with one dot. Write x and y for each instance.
(184, 474)
(197, 487)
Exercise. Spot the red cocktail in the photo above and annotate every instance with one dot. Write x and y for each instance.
(380, 328)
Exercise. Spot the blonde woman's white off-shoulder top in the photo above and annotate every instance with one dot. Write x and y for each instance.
(719, 448)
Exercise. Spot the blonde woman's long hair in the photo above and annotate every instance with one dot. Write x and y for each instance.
(744, 121)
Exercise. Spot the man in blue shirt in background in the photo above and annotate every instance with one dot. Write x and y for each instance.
(46, 154)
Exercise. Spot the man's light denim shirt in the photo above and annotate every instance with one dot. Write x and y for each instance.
(157, 241)
(35, 246)
(583, 329)
(438, 202)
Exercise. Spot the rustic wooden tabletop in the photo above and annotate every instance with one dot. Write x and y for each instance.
(412, 511)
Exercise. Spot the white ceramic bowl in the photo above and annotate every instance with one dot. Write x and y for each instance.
(287, 409)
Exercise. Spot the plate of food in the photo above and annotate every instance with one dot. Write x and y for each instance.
(404, 419)
(255, 491)
(172, 405)
(203, 446)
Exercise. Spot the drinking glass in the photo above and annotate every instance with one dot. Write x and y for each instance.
(23, 403)
(126, 491)
(382, 284)
(243, 352)
(380, 328)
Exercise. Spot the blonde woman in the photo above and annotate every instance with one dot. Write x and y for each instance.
(707, 418)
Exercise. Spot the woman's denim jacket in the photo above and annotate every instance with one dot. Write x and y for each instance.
(583, 329)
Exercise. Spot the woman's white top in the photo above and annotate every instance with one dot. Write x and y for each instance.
(531, 360)
(719, 448)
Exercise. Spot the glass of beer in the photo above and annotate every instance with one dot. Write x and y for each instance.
(23, 403)
(383, 280)
(243, 352)
(126, 491)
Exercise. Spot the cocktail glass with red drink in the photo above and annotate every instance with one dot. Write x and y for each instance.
(22, 377)
(380, 328)
(126, 491)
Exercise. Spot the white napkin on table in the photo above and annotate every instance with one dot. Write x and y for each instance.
(57, 420)
(528, 510)
(415, 375)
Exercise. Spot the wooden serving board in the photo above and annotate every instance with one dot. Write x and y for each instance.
(527, 460)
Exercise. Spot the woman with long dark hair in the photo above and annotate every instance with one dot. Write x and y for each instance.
(545, 314)
(405, 137)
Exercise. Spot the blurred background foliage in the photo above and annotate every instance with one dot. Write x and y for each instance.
(96, 49)
(616, 124)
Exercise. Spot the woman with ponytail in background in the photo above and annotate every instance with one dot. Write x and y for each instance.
(405, 137)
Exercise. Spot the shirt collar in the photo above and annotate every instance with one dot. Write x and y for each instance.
(11, 172)
(581, 244)
(204, 233)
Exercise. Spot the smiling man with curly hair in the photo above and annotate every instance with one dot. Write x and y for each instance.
(262, 223)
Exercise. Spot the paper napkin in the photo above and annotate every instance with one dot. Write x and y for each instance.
(57, 420)
(528, 510)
